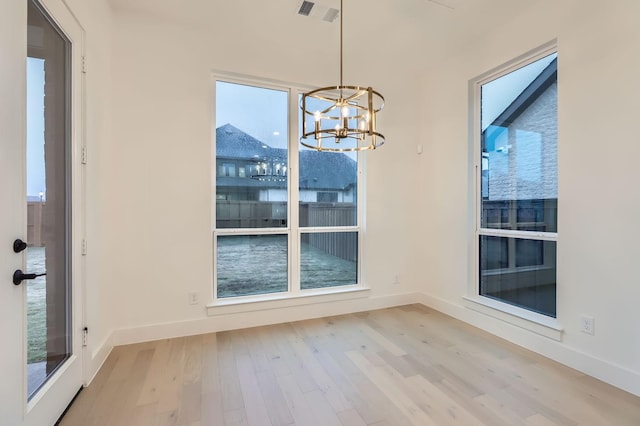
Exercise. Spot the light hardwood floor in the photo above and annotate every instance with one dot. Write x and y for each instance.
(400, 366)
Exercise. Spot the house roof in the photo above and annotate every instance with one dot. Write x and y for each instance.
(232, 142)
(318, 170)
(326, 170)
(529, 95)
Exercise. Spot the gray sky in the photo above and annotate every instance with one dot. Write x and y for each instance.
(260, 112)
(35, 127)
(498, 94)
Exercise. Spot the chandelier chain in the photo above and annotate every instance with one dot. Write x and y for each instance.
(341, 55)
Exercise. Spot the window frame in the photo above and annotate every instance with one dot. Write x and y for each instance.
(292, 229)
(522, 317)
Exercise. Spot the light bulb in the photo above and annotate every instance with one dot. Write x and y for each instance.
(345, 111)
(317, 116)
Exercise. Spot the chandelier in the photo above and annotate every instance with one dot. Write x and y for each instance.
(341, 118)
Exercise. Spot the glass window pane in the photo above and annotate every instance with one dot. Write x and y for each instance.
(251, 156)
(494, 253)
(252, 264)
(48, 201)
(328, 187)
(328, 259)
(519, 179)
(527, 279)
(529, 252)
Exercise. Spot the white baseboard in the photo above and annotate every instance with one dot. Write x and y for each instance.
(608, 372)
(273, 315)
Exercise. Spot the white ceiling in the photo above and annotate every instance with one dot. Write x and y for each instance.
(429, 18)
(406, 33)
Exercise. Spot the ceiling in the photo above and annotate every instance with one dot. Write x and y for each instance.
(409, 34)
(432, 20)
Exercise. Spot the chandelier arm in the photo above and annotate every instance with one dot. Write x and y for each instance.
(355, 95)
(324, 111)
(331, 108)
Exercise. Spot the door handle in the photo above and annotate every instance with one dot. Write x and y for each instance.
(19, 276)
(19, 245)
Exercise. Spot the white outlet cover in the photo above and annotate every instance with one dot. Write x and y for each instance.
(587, 324)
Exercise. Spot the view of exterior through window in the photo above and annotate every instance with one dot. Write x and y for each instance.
(259, 248)
(48, 297)
(517, 223)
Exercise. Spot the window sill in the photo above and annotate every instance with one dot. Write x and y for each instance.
(536, 323)
(284, 300)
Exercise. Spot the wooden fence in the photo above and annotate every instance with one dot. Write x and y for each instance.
(259, 214)
(35, 236)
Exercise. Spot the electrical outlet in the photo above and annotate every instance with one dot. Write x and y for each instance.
(396, 279)
(587, 324)
(193, 298)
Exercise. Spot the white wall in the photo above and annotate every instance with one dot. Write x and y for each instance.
(159, 217)
(598, 148)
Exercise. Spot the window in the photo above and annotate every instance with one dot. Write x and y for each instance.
(327, 197)
(517, 175)
(228, 169)
(286, 217)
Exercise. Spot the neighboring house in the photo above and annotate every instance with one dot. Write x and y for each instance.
(519, 157)
(251, 180)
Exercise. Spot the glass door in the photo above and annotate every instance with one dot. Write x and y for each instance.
(40, 224)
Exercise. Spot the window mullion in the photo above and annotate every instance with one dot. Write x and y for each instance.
(294, 196)
(510, 233)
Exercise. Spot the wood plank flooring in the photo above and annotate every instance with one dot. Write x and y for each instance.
(392, 367)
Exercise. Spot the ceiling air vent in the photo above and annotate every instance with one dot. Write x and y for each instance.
(331, 15)
(305, 8)
(317, 11)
